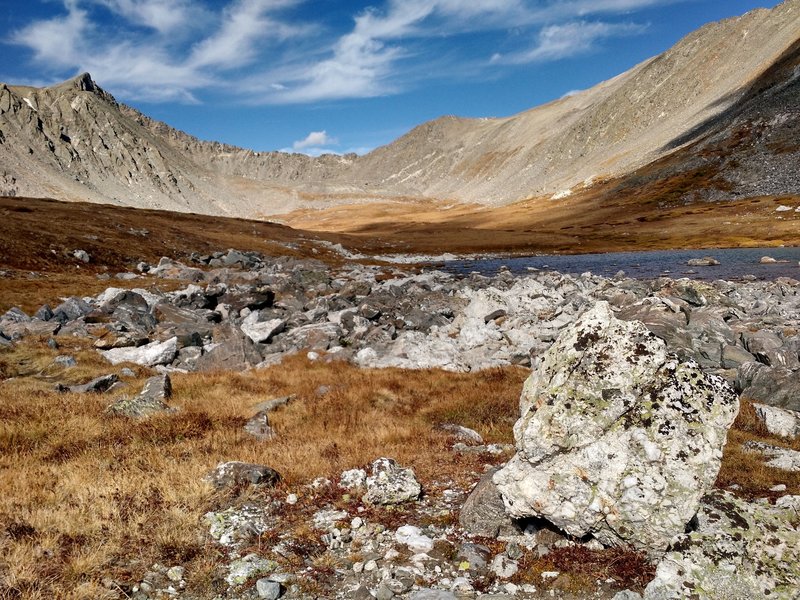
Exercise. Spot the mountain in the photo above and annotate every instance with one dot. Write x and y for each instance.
(718, 113)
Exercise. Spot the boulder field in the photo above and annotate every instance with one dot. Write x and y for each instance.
(634, 385)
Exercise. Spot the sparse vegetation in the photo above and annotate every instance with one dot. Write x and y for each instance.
(86, 497)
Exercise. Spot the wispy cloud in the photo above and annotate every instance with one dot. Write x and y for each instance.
(261, 51)
(556, 42)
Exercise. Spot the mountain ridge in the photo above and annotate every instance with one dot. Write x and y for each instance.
(74, 141)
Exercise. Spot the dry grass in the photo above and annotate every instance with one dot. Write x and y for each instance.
(747, 470)
(84, 496)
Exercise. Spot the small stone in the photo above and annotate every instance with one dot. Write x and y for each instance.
(239, 473)
(391, 484)
(291, 499)
(370, 565)
(778, 488)
(384, 593)
(354, 478)
(65, 361)
(268, 589)
(358, 567)
(82, 255)
(356, 523)
(175, 573)
(413, 537)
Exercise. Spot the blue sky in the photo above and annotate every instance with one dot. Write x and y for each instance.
(338, 75)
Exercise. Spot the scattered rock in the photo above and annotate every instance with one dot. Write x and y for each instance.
(391, 484)
(616, 438)
(235, 473)
(152, 399)
(98, 385)
(737, 550)
(785, 423)
(779, 458)
(706, 261)
(242, 570)
(149, 355)
(464, 434)
(82, 255)
(483, 513)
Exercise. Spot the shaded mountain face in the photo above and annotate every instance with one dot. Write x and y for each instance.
(722, 102)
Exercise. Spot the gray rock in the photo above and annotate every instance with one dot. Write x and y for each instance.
(261, 331)
(778, 458)
(465, 434)
(738, 551)
(65, 361)
(315, 336)
(151, 400)
(389, 483)
(484, 513)
(768, 349)
(235, 473)
(149, 355)
(230, 351)
(477, 555)
(627, 595)
(258, 426)
(82, 255)
(45, 313)
(616, 438)
(430, 594)
(98, 385)
(242, 570)
(267, 589)
(733, 357)
(772, 386)
(71, 309)
(785, 423)
(706, 261)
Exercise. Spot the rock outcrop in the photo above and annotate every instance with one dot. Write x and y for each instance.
(617, 439)
(738, 550)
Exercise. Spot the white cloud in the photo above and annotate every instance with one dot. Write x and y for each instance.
(315, 139)
(164, 17)
(56, 41)
(246, 25)
(556, 42)
(259, 51)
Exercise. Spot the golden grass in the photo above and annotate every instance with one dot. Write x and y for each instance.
(85, 496)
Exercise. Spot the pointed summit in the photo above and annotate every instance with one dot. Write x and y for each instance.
(84, 83)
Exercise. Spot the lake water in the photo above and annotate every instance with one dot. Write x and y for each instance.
(734, 264)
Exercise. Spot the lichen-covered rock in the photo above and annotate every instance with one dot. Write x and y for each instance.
(240, 473)
(739, 551)
(617, 439)
(152, 399)
(390, 483)
(237, 524)
(242, 570)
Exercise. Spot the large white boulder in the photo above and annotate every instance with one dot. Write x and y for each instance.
(617, 439)
(149, 355)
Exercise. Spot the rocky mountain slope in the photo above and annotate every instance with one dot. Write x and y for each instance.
(724, 93)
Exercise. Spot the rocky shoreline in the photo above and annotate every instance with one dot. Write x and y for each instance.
(700, 345)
